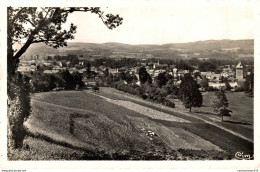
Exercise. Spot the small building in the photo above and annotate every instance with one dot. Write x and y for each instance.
(24, 69)
(160, 66)
(50, 71)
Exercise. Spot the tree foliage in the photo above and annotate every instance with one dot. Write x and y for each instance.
(249, 84)
(207, 66)
(163, 78)
(227, 86)
(144, 75)
(189, 93)
(220, 104)
(33, 25)
(204, 82)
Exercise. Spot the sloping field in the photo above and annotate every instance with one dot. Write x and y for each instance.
(99, 122)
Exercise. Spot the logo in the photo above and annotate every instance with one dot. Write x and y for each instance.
(242, 156)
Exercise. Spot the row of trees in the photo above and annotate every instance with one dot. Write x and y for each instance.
(41, 82)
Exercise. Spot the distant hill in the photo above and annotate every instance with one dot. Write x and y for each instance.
(113, 49)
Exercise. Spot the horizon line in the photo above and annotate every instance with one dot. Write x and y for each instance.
(163, 43)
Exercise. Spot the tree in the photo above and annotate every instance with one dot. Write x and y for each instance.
(249, 84)
(26, 26)
(77, 77)
(228, 86)
(106, 72)
(122, 75)
(189, 93)
(34, 25)
(220, 104)
(223, 79)
(161, 79)
(204, 83)
(143, 75)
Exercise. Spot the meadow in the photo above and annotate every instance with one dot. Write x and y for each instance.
(86, 125)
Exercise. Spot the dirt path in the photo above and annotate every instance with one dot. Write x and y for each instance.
(143, 110)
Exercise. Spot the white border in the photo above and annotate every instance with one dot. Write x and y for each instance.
(230, 164)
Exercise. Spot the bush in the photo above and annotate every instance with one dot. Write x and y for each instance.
(144, 96)
(18, 109)
(153, 93)
(169, 103)
(210, 88)
(43, 82)
(239, 89)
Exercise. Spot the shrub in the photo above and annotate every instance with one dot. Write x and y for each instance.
(144, 96)
(18, 110)
(210, 88)
(239, 89)
(42, 82)
(169, 103)
(68, 78)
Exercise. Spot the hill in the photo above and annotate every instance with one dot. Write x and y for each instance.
(172, 50)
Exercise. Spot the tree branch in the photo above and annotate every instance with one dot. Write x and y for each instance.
(30, 22)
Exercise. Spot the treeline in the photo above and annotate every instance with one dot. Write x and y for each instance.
(116, 63)
(146, 92)
(41, 82)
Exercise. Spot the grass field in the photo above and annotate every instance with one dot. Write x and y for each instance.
(239, 103)
(83, 125)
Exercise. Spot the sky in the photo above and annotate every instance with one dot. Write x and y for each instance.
(168, 23)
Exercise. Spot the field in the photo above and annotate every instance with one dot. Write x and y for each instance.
(114, 125)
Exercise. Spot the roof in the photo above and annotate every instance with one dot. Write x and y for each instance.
(239, 66)
(161, 65)
(50, 71)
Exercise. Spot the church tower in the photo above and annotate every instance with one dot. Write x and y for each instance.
(239, 72)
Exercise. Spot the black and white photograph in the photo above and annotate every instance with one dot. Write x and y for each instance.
(159, 81)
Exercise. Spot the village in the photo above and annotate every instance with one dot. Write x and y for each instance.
(234, 74)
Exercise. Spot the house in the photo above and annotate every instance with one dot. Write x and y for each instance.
(209, 74)
(115, 72)
(157, 72)
(81, 63)
(225, 74)
(81, 71)
(24, 69)
(203, 59)
(203, 74)
(181, 73)
(47, 64)
(68, 63)
(151, 72)
(160, 66)
(215, 77)
(51, 71)
(196, 71)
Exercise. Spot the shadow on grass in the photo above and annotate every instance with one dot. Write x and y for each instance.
(50, 140)
(236, 122)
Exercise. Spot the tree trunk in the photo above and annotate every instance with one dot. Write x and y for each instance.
(222, 118)
(190, 109)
